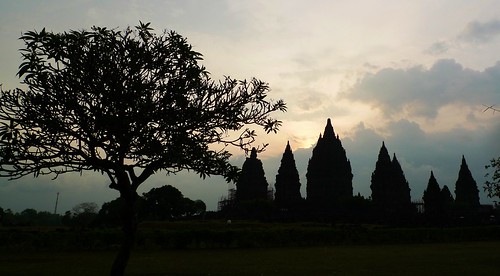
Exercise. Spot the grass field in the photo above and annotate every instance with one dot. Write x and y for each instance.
(460, 258)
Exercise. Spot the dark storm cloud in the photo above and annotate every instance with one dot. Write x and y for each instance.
(480, 32)
(422, 92)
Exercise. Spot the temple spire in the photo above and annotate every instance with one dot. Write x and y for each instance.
(329, 133)
(329, 175)
(253, 154)
(287, 195)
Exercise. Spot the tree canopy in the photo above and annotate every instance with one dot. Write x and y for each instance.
(118, 101)
(492, 186)
(126, 103)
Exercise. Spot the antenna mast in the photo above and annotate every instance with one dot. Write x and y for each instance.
(57, 200)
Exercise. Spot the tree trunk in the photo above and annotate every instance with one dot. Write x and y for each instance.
(129, 219)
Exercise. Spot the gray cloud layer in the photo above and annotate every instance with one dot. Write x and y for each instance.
(480, 32)
(474, 32)
(422, 92)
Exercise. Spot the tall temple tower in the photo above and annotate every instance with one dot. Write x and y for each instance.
(466, 191)
(287, 185)
(390, 190)
(329, 175)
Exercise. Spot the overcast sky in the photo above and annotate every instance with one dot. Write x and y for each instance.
(414, 74)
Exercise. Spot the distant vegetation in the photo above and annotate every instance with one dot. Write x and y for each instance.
(163, 203)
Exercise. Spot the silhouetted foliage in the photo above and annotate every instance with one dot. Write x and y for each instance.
(329, 176)
(287, 194)
(162, 203)
(111, 213)
(492, 187)
(199, 207)
(126, 104)
(7, 217)
(28, 217)
(81, 215)
(167, 202)
(390, 190)
(466, 191)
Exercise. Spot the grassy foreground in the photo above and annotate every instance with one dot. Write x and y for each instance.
(460, 258)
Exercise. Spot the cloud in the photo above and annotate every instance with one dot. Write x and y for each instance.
(474, 32)
(421, 92)
(311, 101)
(480, 32)
(431, 117)
(438, 48)
(420, 152)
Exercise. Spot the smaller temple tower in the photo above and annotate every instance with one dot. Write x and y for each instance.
(390, 190)
(287, 185)
(466, 191)
(252, 183)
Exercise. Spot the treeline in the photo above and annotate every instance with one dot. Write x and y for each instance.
(163, 203)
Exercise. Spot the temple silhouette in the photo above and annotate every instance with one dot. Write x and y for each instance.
(329, 190)
(252, 183)
(287, 196)
(329, 176)
(390, 190)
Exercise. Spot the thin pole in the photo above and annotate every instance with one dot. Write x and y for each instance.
(57, 200)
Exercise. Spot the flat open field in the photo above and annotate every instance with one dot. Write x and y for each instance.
(459, 258)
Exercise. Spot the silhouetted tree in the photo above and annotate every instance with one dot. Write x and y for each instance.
(492, 187)
(27, 217)
(7, 217)
(390, 190)
(85, 207)
(466, 191)
(110, 213)
(167, 202)
(287, 195)
(329, 175)
(126, 104)
(199, 207)
(31, 217)
(83, 214)
(433, 199)
(163, 203)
